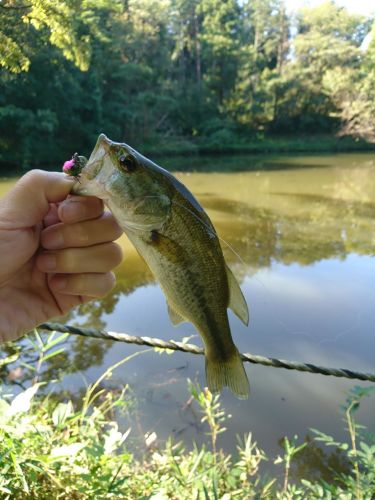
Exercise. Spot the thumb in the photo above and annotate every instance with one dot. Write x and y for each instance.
(28, 202)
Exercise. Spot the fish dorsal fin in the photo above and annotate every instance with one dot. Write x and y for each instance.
(237, 301)
(175, 318)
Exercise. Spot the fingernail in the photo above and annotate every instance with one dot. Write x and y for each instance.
(53, 239)
(71, 209)
(59, 283)
(48, 261)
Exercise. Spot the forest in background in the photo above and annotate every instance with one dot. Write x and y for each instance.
(179, 75)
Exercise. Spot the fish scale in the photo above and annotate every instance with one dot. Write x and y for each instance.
(176, 238)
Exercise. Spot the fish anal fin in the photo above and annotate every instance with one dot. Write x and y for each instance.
(174, 316)
(229, 373)
(237, 301)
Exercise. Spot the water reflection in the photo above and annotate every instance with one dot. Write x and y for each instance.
(303, 242)
(288, 217)
(315, 463)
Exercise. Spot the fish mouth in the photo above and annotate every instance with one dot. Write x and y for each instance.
(102, 143)
(90, 181)
(107, 143)
(96, 174)
(101, 150)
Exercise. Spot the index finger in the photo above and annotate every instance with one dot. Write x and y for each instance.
(28, 202)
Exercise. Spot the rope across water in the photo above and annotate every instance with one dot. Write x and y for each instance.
(193, 349)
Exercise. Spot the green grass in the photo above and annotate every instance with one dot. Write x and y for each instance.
(60, 449)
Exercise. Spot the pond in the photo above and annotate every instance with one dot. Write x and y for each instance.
(299, 234)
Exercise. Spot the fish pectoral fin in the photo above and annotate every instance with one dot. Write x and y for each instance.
(237, 301)
(174, 316)
(169, 248)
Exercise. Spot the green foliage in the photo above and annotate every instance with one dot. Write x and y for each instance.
(63, 449)
(290, 450)
(69, 25)
(352, 91)
(178, 75)
(361, 481)
(213, 414)
(12, 57)
(55, 449)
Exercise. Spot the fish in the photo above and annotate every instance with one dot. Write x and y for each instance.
(174, 235)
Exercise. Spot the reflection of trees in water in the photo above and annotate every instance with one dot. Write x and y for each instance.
(299, 228)
(93, 311)
(234, 163)
(131, 274)
(316, 463)
(81, 352)
(267, 237)
(308, 229)
(76, 356)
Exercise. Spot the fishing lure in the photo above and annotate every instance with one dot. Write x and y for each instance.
(74, 166)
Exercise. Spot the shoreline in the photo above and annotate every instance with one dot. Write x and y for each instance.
(262, 146)
(180, 148)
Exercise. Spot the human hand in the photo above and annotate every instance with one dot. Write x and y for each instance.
(56, 251)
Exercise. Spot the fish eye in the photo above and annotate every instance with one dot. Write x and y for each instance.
(127, 163)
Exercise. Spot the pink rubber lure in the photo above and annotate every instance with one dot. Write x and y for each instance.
(74, 166)
(68, 165)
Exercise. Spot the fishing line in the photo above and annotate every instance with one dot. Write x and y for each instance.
(278, 320)
(211, 230)
(214, 233)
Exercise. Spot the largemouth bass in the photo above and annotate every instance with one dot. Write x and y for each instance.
(176, 238)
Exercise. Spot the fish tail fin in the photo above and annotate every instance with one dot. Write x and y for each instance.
(229, 373)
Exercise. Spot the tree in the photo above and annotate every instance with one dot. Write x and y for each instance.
(211, 72)
(262, 57)
(69, 25)
(45, 98)
(328, 37)
(352, 89)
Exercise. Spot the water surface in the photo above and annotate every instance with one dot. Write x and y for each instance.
(302, 230)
